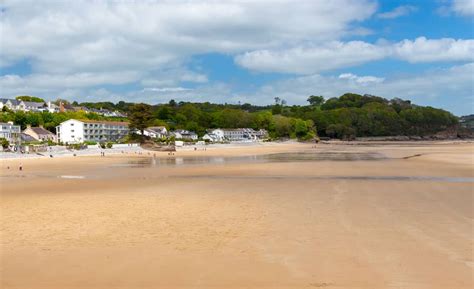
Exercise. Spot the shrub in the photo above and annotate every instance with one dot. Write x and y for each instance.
(4, 142)
(109, 145)
(51, 143)
(102, 145)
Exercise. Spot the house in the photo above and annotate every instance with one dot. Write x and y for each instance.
(3, 103)
(10, 132)
(12, 104)
(78, 131)
(51, 107)
(214, 135)
(39, 133)
(32, 106)
(63, 107)
(184, 134)
(156, 132)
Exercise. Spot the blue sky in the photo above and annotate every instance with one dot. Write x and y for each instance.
(239, 51)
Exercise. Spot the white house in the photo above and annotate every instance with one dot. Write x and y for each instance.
(78, 131)
(32, 106)
(184, 134)
(12, 104)
(155, 132)
(214, 135)
(51, 107)
(9, 131)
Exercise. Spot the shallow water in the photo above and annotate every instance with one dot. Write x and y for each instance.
(156, 163)
(269, 158)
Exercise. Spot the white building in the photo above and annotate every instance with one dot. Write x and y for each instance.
(155, 132)
(238, 134)
(214, 135)
(78, 131)
(10, 132)
(184, 134)
(32, 106)
(51, 107)
(12, 104)
(16, 105)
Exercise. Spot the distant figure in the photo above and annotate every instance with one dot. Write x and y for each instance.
(50, 156)
(73, 155)
(20, 167)
(195, 148)
(8, 167)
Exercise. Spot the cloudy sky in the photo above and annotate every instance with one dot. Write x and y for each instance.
(239, 50)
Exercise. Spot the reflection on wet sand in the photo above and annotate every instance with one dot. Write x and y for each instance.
(266, 158)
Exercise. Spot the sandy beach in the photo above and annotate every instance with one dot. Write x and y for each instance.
(287, 215)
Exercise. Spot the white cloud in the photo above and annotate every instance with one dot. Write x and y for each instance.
(65, 37)
(463, 7)
(429, 50)
(397, 12)
(166, 89)
(172, 77)
(333, 55)
(10, 83)
(362, 80)
(305, 60)
(155, 39)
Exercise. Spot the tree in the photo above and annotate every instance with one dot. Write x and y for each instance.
(172, 103)
(29, 98)
(140, 117)
(315, 100)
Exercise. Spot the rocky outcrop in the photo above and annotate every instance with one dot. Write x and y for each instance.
(152, 146)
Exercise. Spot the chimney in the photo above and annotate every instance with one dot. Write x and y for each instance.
(61, 107)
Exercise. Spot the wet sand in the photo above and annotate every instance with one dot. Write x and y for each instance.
(339, 216)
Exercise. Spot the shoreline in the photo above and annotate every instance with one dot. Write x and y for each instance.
(139, 151)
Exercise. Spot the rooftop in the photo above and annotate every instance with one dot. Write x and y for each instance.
(104, 122)
(40, 130)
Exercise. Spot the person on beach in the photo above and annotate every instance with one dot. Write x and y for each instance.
(20, 167)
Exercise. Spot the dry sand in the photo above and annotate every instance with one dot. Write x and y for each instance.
(396, 222)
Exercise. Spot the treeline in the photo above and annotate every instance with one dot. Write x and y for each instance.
(352, 115)
(348, 116)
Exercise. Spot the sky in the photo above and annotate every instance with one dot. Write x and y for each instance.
(239, 51)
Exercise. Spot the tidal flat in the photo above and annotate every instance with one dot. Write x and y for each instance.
(290, 215)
